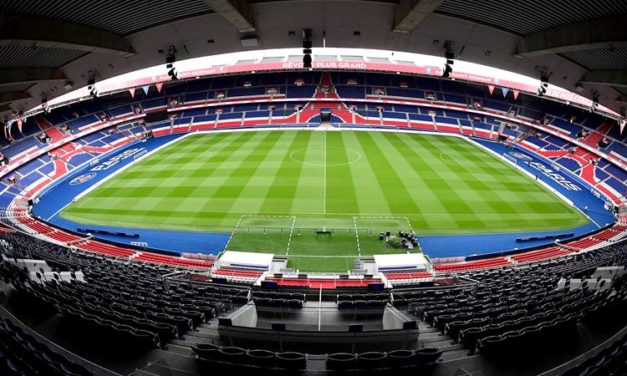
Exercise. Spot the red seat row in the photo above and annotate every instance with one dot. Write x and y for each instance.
(170, 260)
(540, 254)
(238, 273)
(407, 275)
(584, 243)
(473, 265)
(63, 236)
(107, 249)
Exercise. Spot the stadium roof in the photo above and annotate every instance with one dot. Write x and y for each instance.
(45, 43)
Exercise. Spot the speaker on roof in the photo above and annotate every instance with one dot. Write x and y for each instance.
(450, 56)
(307, 61)
(307, 44)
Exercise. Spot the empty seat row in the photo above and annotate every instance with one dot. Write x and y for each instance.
(279, 303)
(279, 295)
(237, 357)
(337, 362)
(21, 354)
(610, 361)
(361, 304)
(369, 361)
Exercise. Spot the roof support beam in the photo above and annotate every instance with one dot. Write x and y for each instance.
(10, 96)
(411, 13)
(621, 98)
(51, 33)
(235, 12)
(609, 32)
(9, 76)
(606, 77)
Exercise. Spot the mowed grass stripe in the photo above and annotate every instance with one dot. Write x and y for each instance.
(207, 181)
(472, 190)
(173, 214)
(341, 191)
(279, 194)
(369, 197)
(514, 202)
(309, 193)
(397, 193)
(441, 181)
(419, 162)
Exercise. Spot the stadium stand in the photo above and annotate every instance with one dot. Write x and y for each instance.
(512, 302)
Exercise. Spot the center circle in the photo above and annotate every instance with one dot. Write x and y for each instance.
(317, 156)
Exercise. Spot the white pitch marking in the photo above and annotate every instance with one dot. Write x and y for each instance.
(226, 247)
(289, 240)
(409, 224)
(324, 203)
(357, 236)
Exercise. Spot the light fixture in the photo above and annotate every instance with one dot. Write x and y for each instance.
(169, 63)
(448, 69)
(307, 44)
(544, 84)
(595, 101)
(91, 85)
(450, 59)
(44, 102)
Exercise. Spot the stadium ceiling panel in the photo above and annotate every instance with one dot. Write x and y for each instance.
(20, 86)
(598, 59)
(20, 56)
(29, 74)
(10, 96)
(411, 14)
(236, 13)
(122, 17)
(482, 31)
(607, 32)
(607, 77)
(37, 32)
(526, 17)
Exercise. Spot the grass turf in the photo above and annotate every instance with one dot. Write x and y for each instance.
(210, 182)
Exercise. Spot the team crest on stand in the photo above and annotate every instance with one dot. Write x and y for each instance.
(521, 156)
(82, 178)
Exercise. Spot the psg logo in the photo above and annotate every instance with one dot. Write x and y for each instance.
(82, 179)
(520, 156)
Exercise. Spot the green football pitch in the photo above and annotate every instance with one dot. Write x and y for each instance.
(322, 197)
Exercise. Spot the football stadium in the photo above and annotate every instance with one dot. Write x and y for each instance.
(313, 187)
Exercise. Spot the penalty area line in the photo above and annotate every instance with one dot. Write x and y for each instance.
(226, 247)
(409, 224)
